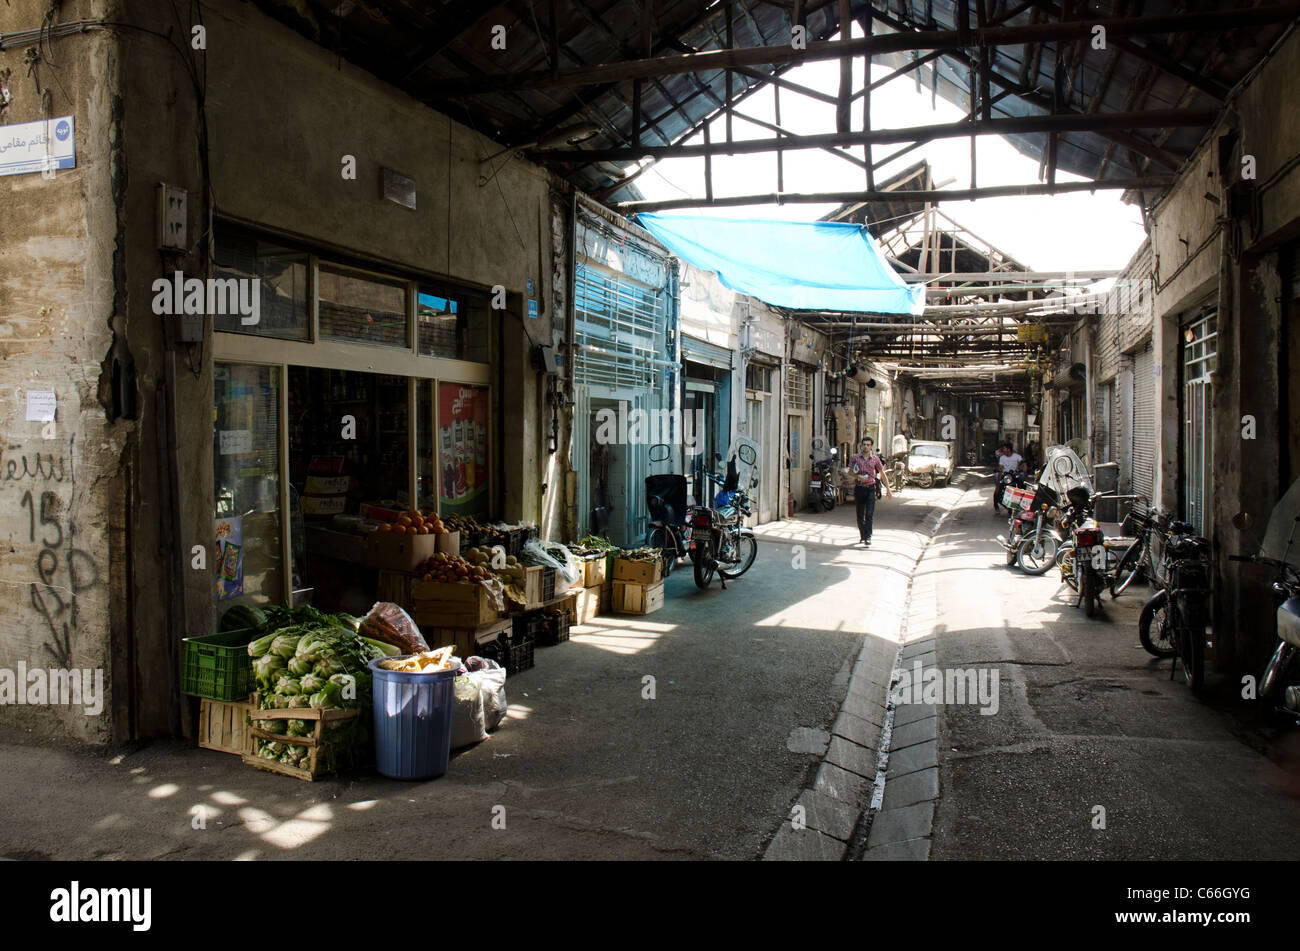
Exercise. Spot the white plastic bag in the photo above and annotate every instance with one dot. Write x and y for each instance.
(492, 690)
(467, 723)
(568, 566)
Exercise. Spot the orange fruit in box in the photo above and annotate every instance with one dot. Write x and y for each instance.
(385, 527)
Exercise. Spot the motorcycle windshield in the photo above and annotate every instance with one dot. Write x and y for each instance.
(1063, 470)
(1282, 536)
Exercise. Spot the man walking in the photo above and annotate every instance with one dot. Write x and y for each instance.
(868, 470)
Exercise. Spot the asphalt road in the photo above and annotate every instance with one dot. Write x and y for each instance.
(745, 680)
(1089, 720)
(586, 767)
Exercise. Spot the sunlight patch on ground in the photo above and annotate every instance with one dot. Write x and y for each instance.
(227, 798)
(164, 790)
(619, 635)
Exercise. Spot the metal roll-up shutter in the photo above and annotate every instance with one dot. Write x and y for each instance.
(1144, 422)
(621, 304)
(709, 354)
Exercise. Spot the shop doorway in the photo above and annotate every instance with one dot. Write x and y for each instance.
(1200, 357)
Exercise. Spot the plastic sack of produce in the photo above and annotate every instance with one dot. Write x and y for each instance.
(387, 622)
(480, 703)
(553, 555)
(467, 724)
(492, 687)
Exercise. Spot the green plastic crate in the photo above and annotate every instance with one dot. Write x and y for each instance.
(217, 666)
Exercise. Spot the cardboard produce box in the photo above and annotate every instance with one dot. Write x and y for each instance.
(633, 598)
(642, 572)
(389, 552)
(594, 571)
(455, 604)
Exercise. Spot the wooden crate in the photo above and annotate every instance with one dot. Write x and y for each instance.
(584, 605)
(594, 571)
(454, 604)
(322, 720)
(633, 598)
(395, 586)
(223, 725)
(466, 639)
(534, 576)
(642, 572)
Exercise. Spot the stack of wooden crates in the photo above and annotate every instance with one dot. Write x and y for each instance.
(638, 587)
(592, 598)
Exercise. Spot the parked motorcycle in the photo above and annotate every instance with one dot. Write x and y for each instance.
(1006, 478)
(1279, 686)
(721, 541)
(1032, 541)
(823, 484)
(669, 528)
(1173, 621)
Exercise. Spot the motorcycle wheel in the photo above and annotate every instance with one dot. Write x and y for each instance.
(704, 564)
(1154, 630)
(828, 502)
(1036, 554)
(1088, 592)
(815, 504)
(1191, 648)
(746, 547)
(1130, 566)
(658, 538)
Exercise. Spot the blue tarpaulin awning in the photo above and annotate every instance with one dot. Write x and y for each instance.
(808, 265)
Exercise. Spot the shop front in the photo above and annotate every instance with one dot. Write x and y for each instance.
(360, 394)
(706, 404)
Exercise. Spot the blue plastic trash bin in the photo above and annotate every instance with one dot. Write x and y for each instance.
(412, 722)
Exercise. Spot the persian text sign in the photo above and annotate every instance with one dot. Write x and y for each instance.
(40, 146)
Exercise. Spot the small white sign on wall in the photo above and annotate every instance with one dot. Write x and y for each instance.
(41, 405)
(234, 442)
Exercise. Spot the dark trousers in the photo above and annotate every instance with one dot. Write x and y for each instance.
(865, 495)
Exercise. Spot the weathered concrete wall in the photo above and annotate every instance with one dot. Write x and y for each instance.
(88, 550)
(1204, 252)
(61, 496)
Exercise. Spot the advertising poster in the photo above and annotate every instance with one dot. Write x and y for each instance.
(462, 444)
(230, 557)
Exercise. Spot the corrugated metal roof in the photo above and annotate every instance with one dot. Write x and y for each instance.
(417, 44)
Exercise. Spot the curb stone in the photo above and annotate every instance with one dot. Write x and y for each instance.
(861, 739)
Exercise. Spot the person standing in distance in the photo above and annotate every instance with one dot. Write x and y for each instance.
(868, 469)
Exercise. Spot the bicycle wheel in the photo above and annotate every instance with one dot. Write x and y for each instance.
(1065, 561)
(1154, 629)
(1130, 566)
(1191, 646)
(658, 538)
(746, 550)
(704, 564)
(1036, 554)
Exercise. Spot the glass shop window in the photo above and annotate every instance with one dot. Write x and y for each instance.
(452, 325)
(246, 475)
(361, 309)
(282, 284)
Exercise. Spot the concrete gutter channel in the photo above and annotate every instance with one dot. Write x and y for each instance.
(873, 796)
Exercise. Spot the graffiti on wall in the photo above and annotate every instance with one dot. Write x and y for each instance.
(62, 571)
